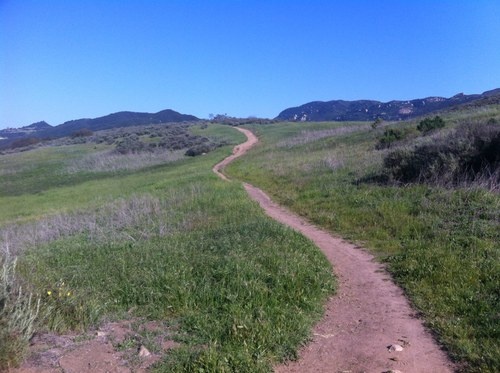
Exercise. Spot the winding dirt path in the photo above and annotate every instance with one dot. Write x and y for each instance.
(238, 151)
(368, 314)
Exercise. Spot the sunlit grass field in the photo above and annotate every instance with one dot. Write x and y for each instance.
(442, 245)
(169, 242)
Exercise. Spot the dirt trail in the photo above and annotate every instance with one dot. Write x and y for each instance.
(368, 314)
(238, 151)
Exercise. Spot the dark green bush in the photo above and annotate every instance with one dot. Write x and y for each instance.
(377, 123)
(389, 137)
(424, 163)
(130, 144)
(199, 150)
(427, 125)
(469, 154)
(84, 132)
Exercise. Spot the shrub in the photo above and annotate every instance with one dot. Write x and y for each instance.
(425, 163)
(130, 144)
(28, 141)
(84, 132)
(390, 136)
(427, 125)
(469, 154)
(377, 123)
(198, 150)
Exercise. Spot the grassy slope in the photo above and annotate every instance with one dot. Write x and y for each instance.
(238, 290)
(440, 245)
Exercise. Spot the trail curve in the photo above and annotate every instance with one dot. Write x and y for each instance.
(368, 315)
(238, 151)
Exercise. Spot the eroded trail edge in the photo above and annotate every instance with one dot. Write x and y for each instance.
(368, 314)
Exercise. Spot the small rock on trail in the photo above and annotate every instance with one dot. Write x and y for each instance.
(395, 347)
(144, 352)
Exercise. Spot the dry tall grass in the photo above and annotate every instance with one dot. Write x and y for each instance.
(111, 161)
(18, 311)
(306, 137)
(143, 212)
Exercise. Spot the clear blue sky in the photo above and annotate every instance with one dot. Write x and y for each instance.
(62, 60)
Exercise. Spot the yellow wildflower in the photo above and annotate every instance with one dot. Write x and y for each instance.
(49, 292)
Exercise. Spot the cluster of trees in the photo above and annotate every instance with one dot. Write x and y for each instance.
(233, 121)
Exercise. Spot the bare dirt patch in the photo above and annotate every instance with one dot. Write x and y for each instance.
(368, 325)
(115, 348)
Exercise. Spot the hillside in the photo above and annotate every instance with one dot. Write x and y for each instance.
(123, 225)
(120, 119)
(367, 110)
(115, 120)
(10, 133)
(189, 266)
(426, 203)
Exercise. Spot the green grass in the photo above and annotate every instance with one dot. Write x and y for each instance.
(37, 182)
(240, 291)
(441, 245)
(41, 169)
(218, 131)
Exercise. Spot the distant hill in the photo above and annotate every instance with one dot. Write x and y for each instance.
(11, 133)
(120, 119)
(368, 110)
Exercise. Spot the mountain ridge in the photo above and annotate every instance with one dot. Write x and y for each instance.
(119, 119)
(366, 110)
(15, 133)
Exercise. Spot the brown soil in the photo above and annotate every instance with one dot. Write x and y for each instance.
(238, 151)
(114, 348)
(367, 316)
